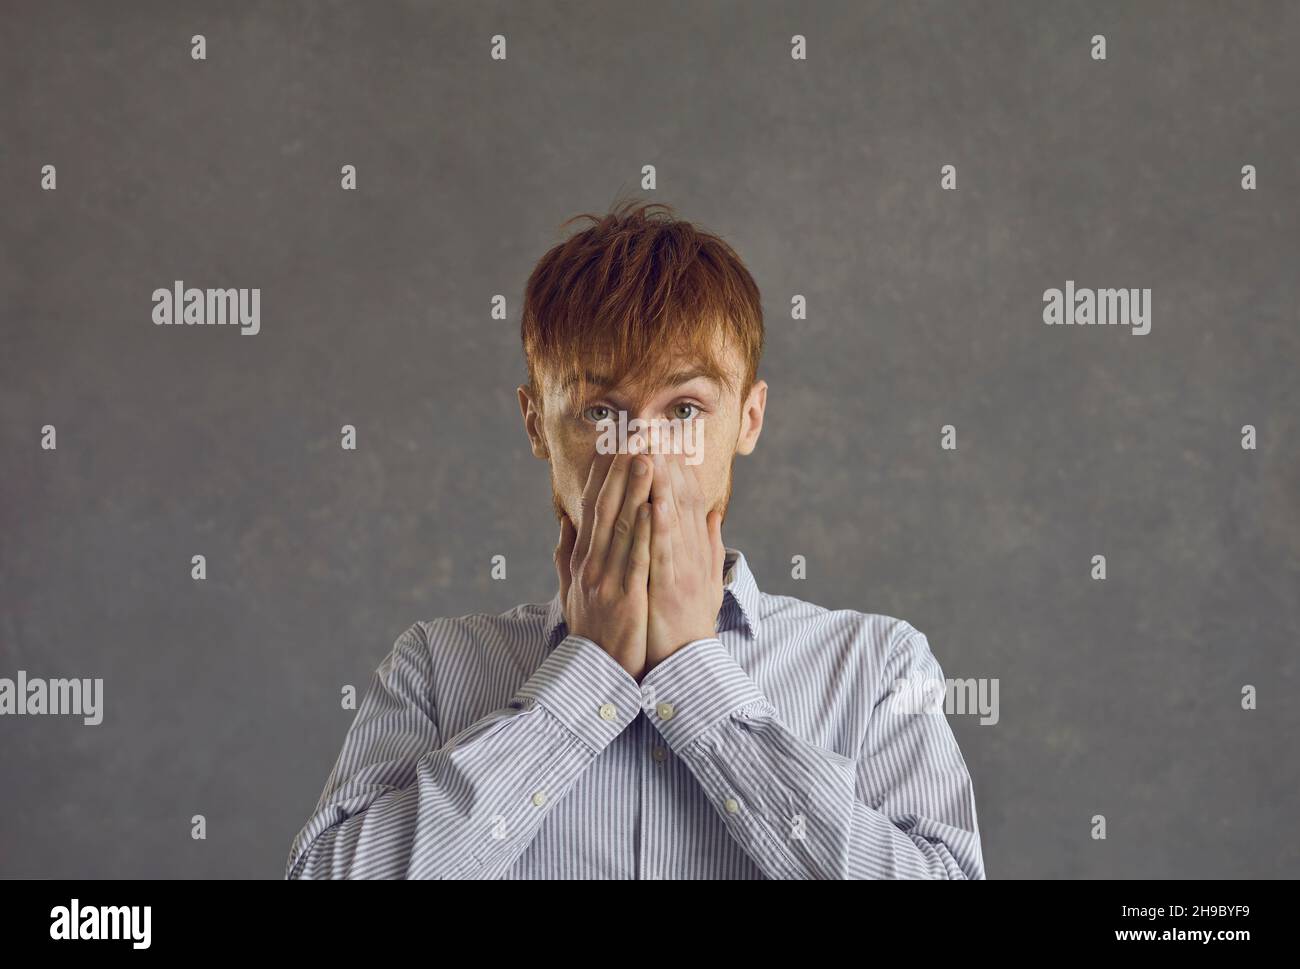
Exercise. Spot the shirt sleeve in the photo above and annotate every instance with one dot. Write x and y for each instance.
(404, 802)
(904, 808)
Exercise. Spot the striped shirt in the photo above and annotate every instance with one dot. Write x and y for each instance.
(503, 747)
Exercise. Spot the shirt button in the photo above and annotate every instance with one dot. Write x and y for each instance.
(539, 798)
(731, 805)
(659, 754)
(665, 711)
(608, 711)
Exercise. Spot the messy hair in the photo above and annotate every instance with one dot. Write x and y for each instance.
(619, 297)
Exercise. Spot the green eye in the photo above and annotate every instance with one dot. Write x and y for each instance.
(695, 408)
(591, 413)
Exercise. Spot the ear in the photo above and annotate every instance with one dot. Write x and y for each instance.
(751, 417)
(532, 415)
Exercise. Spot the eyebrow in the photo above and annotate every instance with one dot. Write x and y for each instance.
(604, 382)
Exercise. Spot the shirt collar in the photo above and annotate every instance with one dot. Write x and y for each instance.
(739, 602)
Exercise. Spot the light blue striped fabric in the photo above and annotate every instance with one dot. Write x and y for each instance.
(502, 747)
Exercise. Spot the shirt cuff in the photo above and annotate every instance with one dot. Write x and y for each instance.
(696, 687)
(586, 689)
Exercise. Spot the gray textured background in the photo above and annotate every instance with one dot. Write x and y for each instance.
(222, 697)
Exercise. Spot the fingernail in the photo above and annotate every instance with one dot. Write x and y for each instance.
(638, 466)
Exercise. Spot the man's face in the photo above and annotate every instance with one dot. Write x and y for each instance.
(566, 432)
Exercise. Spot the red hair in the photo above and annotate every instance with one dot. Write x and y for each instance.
(615, 298)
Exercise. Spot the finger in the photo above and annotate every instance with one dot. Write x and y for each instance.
(662, 487)
(662, 572)
(595, 478)
(718, 546)
(563, 553)
(693, 526)
(608, 505)
(637, 578)
(638, 491)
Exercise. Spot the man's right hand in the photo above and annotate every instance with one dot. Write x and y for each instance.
(604, 564)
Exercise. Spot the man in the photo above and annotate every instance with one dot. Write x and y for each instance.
(660, 717)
